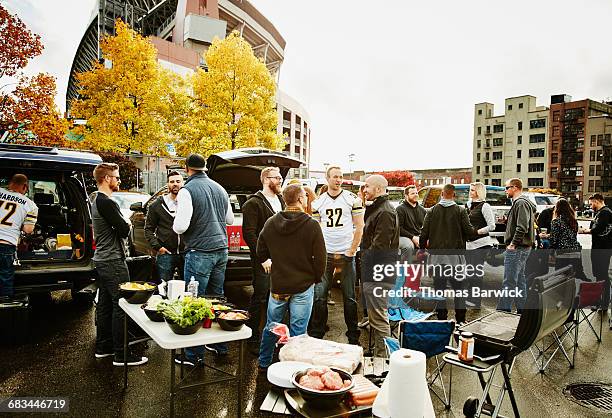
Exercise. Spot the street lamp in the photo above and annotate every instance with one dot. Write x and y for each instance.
(351, 159)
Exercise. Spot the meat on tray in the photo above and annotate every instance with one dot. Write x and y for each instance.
(364, 392)
(323, 379)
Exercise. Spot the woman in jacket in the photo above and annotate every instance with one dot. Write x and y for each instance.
(478, 245)
(563, 238)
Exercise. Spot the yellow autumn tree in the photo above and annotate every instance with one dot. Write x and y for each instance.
(235, 100)
(127, 100)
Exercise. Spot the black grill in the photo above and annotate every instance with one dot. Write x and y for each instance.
(591, 395)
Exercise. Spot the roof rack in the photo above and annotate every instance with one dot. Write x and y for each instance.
(31, 148)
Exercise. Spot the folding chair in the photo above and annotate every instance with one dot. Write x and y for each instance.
(431, 338)
(588, 302)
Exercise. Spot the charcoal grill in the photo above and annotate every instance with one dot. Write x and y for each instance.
(501, 336)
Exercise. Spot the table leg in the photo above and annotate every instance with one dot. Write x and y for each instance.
(172, 381)
(181, 368)
(240, 364)
(125, 349)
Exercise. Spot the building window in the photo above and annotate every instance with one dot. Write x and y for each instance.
(519, 140)
(599, 140)
(496, 182)
(509, 107)
(553, 172)
(537, 123)
(518, 168)
(580, 143)
(498, 142)
(554, 158)
(497, 155)
(486, 182)
(486, 169)
(518, 153)
(487, 158)
(520, 105)
(520, 126)
(536, 138)
(488, 129)
(497, 169)
(607, 140)
(297, 150)
(478, 157)
(535, 167)
(477, 169)
(480, 130)
(595, 155)
(535, 182)
(556, 116)
(480, 111)
(598, 186)
(574, 113)
(598, 170)
(591, 170)
(478, 143)
(498, 128)
(593, 140)
(556, 130)
(488, 143)
(555, 144)
(536, 152)
(287, 116)
(287, 147)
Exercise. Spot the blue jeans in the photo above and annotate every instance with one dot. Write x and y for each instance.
(208, 268)
(7, 270)
(167, 263)
(300, 306)
(514, 278)
(345, 272)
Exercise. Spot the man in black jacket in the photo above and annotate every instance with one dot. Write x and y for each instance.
(291, 249)
(447, 227)
(601, 234)
(109, 229)
(411, 216)
(159, 233)
(379, 246)
(255, 212)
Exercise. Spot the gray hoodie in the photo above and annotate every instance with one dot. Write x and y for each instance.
(520, 229)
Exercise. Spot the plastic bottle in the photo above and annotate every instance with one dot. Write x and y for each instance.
(232, 242)
(238, 240)
(192, 287)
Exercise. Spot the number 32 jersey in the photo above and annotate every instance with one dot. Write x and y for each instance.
(335, 214)
(16, 210)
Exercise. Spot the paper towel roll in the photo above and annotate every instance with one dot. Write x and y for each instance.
(176, 288)
(407, 383)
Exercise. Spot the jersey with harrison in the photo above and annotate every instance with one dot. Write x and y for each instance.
(335, 215)
(16, 210)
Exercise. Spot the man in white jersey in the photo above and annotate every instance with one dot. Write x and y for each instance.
(17, 214)
(340, 214)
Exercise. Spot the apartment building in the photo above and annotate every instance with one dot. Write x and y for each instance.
(511, 145)
(580, 147)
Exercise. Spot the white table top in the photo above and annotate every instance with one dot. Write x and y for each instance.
(161, 333)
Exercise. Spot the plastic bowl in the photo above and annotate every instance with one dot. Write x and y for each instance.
(192, 329)
(152, 314)
(137, 296)
(233, 324)
(231, 307)
(322, 399)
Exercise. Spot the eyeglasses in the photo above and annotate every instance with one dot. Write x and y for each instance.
(116, 177)
(509, 187)
(279, 178)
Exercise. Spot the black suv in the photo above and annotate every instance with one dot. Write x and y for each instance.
(57, 186)
(238, 171)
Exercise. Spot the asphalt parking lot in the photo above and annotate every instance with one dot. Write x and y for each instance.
(58, 360)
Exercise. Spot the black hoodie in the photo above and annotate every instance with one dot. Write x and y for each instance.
(255, 212)
(294, 242)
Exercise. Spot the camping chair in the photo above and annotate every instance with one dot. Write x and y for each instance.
(431, 338)
(588, 302)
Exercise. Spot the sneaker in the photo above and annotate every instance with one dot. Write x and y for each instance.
(470, 304)
(331, 302)
(181, 359)
(216, 350)
(132, 360)
(364, 322)
(104, 353)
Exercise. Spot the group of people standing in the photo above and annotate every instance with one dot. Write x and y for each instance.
(300, 243)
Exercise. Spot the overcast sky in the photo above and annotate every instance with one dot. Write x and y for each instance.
(395, 81)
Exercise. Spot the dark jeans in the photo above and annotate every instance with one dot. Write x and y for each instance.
(208, 268)
(600, 260)
(7, 270)
(441, 311)
(345, 272)
(109, 316)
(576, 262)
(474, 258)
(259, 299)
(167, 264)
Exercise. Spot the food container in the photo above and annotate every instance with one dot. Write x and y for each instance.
(136, 296)
(322, 399)
(233, 324)
(192, 329)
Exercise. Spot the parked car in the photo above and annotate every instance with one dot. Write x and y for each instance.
(541, 200)
(238, 171)
(396, 195)
(125, 200)
(57, 186)
(496, 197)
